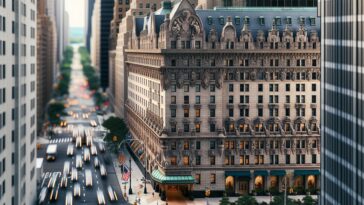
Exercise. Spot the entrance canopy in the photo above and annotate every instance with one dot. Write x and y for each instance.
(260, 173)
(238, 173)
(278, 173)
(306, 172)
(163, 179)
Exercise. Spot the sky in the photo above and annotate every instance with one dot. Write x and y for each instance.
(76, 10)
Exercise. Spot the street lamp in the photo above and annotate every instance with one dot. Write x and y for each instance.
(145, 165)
(130, 190)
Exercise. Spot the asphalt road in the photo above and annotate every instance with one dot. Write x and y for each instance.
(81, 102)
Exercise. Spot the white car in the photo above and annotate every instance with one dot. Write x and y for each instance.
(77, 190)
(103, 171)
(79, 162)
(69, 198)
(89, 141)
(78, 142)
(88, 178)
(74, 174)
(101, 147)
(70, 150)
(112, 194)
(42, 195)
(86, 155)
(66, 168)
(64, 181)
(100, 197)
(96, 162)
(93, 150)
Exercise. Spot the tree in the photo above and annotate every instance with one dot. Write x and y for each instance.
(55, 111)
(246, 200)
(225, 200)
(279, 200)
(308, 200)
(117, 132)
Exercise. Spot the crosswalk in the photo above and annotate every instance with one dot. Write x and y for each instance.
(60, 140)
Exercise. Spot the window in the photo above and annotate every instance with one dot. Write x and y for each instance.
(260, 112)
(173, 160)
(260, 87)
(173, 45)
(173, 99)
(314, 159)
(278, 21)
(197, 176)
(300, 159)
(289, 20)
(186, 127)
(186, 112)
(231, 87)
(173, 88)
(212, 99)
(198, 145)
(212, 178)
(313, 21)
(173, 112)
(186, 160)
(288, 159)
(314, 87)
(313, 98)
(212, 127)
(212, 160)
(288, 144)
(186, 99)
(212, 88)
(274, 159)
(198, 88)
(186, 88)
(198, 46)
(314, 62)
(261, 20)
(198, 100)
(260, 99)
(288, 87)
(212, 144)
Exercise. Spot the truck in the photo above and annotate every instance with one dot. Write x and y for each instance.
(51, 152)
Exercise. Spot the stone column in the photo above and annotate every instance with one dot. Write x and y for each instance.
(251, 182)
(267, 182)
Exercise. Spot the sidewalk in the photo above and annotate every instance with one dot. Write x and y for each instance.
(137, 184)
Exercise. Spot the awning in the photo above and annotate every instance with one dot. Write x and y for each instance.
(260, 173)
(237, 173)
(163, 179)
(306, 172)
(278, 172)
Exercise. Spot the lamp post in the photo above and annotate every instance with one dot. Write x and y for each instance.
(130, 190)
(145, 165)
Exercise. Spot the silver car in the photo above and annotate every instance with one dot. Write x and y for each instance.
(88, 178)
(79, 162)
(103, 171)
(66, 168)
(93, 150)
(96, 162)
(74, 174)
(77, 190)
(86, 155)
(69, 198)
(70, 150)
(100, 197)
(112, 194)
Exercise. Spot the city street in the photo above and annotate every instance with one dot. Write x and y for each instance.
(79, 102)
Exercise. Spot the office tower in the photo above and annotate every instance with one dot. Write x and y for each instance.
(66, 30)
(209, 4)
(225, 99)
(342, 105)
(46, 59)
(88, 22)
(18, 102)
(102, 15)
(56, 9)
(137, 8)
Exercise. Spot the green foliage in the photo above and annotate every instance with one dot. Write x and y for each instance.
(246, 200)
(308, 200)
(225, 200)
(118, 131)
(65, 73)
(55, 111)
(279, 200)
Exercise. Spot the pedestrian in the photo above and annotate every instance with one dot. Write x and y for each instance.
(153, 194)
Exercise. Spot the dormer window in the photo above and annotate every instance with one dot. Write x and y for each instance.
(247, 20)
(209, 20)
(313, 21)
(261, 20)
(222, 20)
(289, 20)
(278, 21)
(237, 20)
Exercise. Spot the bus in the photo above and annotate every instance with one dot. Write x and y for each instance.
(51, 152)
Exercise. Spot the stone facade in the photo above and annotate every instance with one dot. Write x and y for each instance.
(228, 96)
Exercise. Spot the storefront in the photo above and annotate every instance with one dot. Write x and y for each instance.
(172, 186)
(237, 182)
(260, 181)
(306, 181)
(275, 180)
